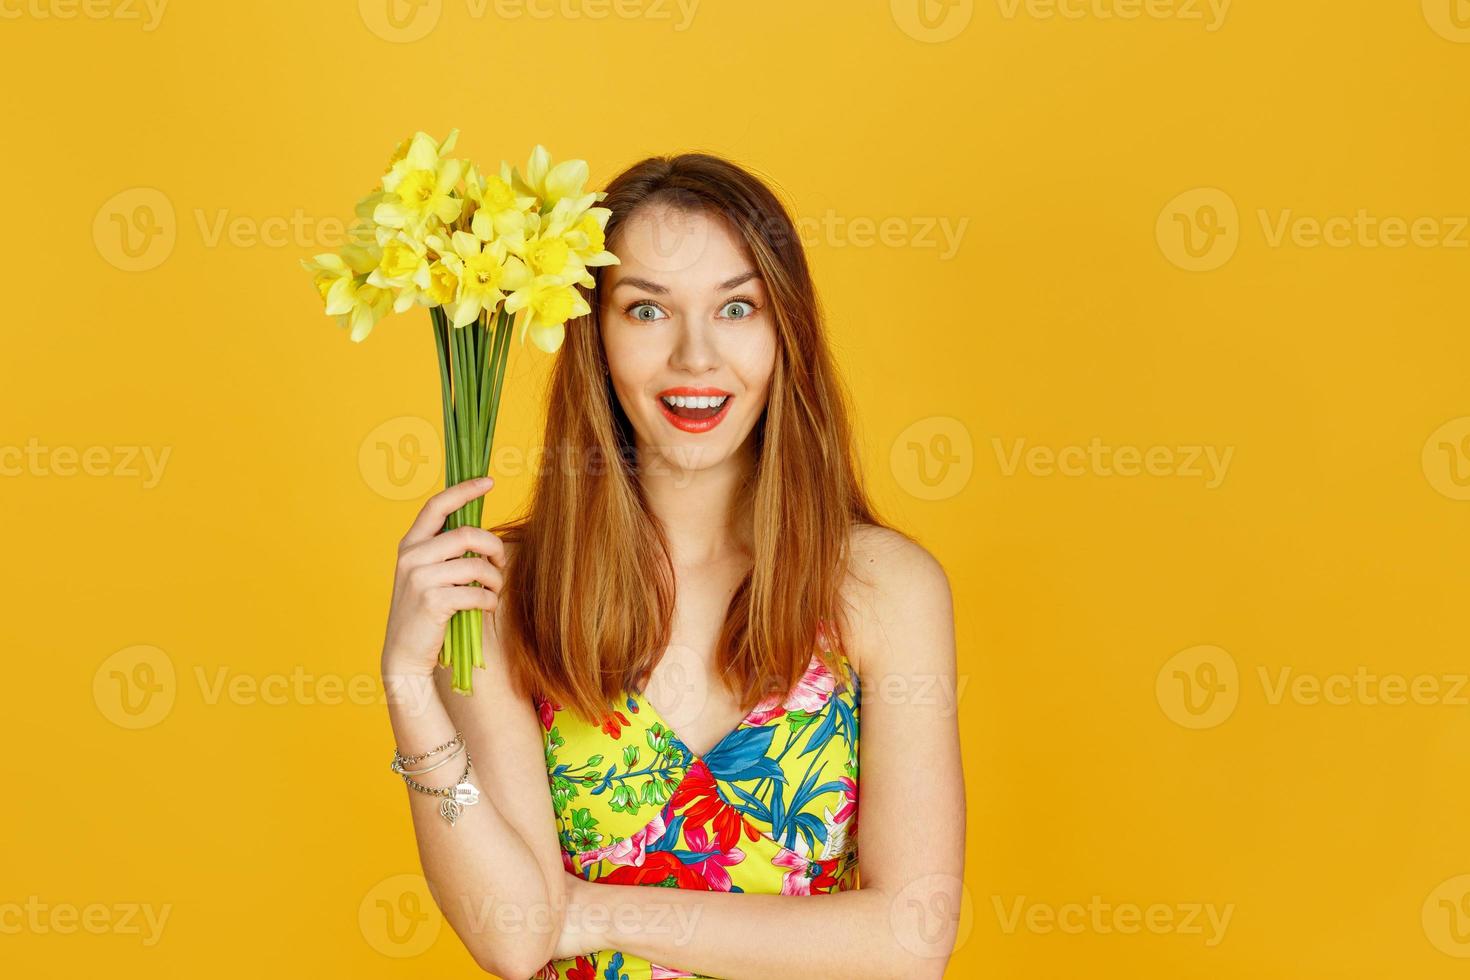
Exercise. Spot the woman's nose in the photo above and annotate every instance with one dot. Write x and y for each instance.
(695, 351)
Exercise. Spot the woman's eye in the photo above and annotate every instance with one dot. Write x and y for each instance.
(645, 311)
(737, 310)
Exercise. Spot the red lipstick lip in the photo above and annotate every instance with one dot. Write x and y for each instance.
(694, 392)
(695, 425)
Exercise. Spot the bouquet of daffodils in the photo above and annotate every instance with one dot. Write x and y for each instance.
(489, 255)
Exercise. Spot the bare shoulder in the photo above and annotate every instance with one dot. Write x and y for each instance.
(895, 591)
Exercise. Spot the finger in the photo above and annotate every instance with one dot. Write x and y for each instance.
(459, 571)
(467, 597)
(452, 544)
(437, 508)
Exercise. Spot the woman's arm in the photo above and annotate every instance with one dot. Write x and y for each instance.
(911, 818)
(497, 872)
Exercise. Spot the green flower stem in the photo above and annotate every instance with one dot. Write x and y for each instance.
(472, 362)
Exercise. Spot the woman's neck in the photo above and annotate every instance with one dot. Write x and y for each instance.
(704, 517)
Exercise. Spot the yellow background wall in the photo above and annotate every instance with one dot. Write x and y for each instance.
(1155, 312)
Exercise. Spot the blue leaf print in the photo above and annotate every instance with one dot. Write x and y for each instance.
(753, 806)
(671, 834)
(822, 733)
(742, 755)
(849, 721)
(778, 808)
(812, 828)
(606, 780)
(694, 857)
(614, 968)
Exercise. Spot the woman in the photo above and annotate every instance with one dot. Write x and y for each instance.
(686, 628)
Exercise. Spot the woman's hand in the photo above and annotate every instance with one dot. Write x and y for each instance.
(432, 580)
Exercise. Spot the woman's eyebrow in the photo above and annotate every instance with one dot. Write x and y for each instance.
(650, 286)
(647, 284)
(737, 280)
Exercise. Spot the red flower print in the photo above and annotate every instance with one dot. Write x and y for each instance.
(546, 710)
(584, 970)
(613, 723)
(698, 798)
(658, 868)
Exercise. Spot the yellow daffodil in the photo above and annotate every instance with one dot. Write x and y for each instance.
(342, 280)
(404, 269)
(482, 250)
(544, 305)
(482, 272)
(576, 232)
(419, 189)
(499, 212)
(588, 238)
(552, 183)
(442, 284)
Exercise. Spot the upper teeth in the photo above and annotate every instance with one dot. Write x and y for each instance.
(695, 401)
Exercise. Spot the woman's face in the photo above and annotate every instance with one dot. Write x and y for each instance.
(689, 336)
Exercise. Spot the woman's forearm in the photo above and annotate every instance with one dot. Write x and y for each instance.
(485, 878)
(848, 934)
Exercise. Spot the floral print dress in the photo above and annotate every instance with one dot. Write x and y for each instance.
(771, 809)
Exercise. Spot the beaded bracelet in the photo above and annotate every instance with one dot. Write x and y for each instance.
(453, 799)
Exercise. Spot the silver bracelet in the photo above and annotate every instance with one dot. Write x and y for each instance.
(452, 799)
(398, 763)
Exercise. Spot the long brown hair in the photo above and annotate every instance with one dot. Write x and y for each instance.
(589, 587)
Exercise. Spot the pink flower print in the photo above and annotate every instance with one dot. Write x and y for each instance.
(804, 875)
(630, 851)
(848, 808)
(712, 868)
(810, 694)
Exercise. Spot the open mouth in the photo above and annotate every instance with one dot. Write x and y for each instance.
(695, 412)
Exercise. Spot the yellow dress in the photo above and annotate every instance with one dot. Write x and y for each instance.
(771, 809)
